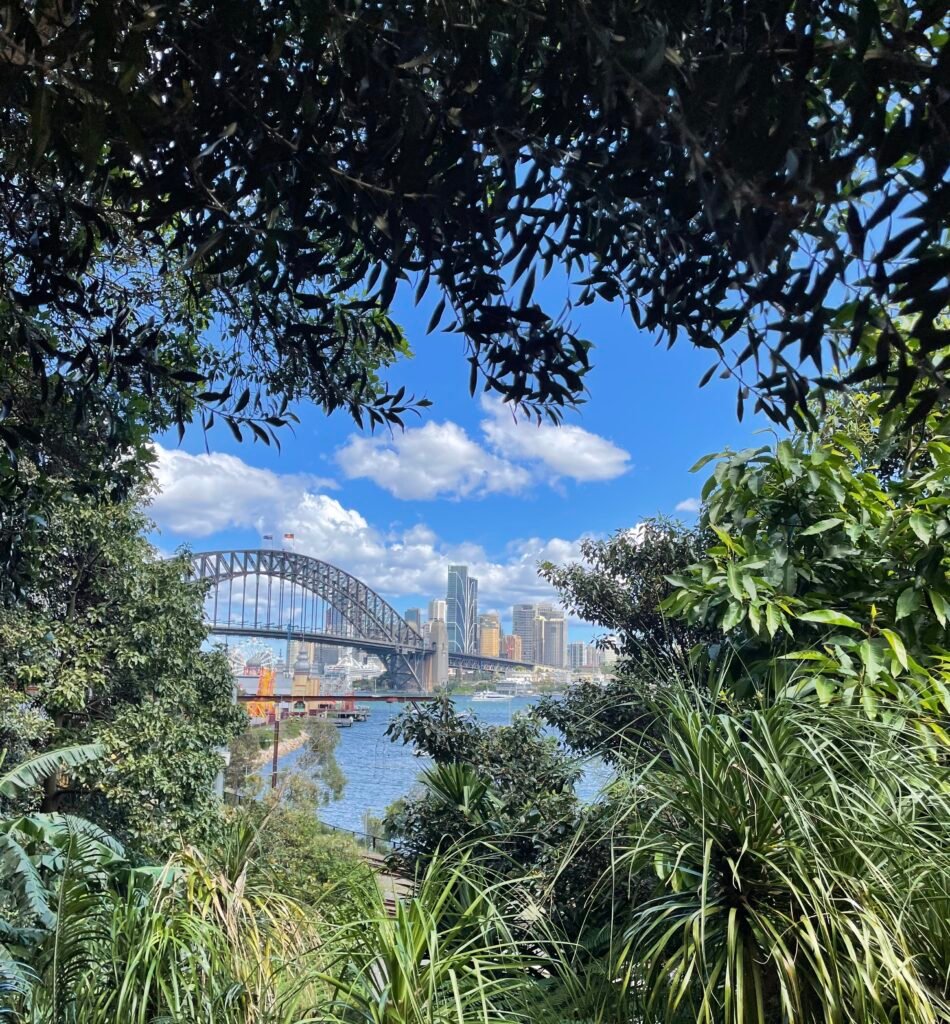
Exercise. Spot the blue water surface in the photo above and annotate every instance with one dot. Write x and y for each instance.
(379, 772)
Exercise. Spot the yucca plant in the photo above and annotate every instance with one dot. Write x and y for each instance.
(208, 942)
(801, 858)
(447, 956)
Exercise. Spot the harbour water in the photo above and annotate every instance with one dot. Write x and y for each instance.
(378, 771)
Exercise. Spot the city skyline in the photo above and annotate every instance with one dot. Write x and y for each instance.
(541, 630)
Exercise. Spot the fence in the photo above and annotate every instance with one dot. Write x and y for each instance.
(375, 844)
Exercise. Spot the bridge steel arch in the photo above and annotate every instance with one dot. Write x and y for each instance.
(371, 621)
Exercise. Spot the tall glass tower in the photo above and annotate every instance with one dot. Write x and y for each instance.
(461, 619)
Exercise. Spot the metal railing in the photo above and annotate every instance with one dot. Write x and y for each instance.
(365, 840)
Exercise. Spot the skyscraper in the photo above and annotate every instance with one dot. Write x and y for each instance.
(489, 635)
(437, 665)
(550, 637)
(581, 655)
(414, 618)
(437, 609)
(461, 618)
(523, 619)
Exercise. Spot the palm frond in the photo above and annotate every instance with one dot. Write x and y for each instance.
(30, 773)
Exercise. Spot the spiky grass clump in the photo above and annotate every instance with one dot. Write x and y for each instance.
(801, 858)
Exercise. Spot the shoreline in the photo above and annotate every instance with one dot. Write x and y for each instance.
(287, 746)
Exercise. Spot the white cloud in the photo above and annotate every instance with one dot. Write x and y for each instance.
(691, 505)
(433, 461)
(200, 495)
(440, 460)
(566, 450)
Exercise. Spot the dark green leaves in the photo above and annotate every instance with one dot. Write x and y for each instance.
(191, 171)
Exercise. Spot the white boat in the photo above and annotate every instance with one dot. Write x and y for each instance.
(490, 695)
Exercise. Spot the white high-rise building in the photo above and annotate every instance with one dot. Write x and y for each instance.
(437, 609)
(581, 655)
(550, 636)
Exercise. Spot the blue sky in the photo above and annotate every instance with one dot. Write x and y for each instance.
(464, 482)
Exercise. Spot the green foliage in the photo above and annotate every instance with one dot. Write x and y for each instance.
(800, 859)
(515, 774)
(507, 794)
(301, 857)
(29, 774)
(214, 938)
(106, 646)
(620, 583)
(831, 571)
(447, 955)
(318, 759)
(198, 945)
(766, 180)
(43, 857)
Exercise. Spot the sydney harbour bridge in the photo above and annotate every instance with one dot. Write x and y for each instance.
(283, 595)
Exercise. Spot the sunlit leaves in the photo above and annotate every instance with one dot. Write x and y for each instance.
(832, 568)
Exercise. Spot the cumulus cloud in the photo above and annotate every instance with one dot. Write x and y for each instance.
(566, 450)
(441, 460)
(200, 495)
(433, 461)
(691, 505)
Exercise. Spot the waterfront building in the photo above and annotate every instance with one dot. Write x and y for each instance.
(461, 601)
(523, 617)
(414, 617)
(610, 655)
(303, 684)
(581, 656)
(489, 635)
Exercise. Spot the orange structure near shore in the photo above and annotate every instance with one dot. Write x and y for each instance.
(265, 688)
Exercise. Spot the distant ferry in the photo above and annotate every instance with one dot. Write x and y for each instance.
(490, 695)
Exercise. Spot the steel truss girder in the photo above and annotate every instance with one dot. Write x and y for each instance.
(370, 617)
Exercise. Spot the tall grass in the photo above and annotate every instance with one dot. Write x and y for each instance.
(211, 943)
(447, 956)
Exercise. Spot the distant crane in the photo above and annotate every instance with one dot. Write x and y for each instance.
(265, 688)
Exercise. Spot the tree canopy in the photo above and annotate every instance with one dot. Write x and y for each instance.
(765, 179)
(106, 645)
